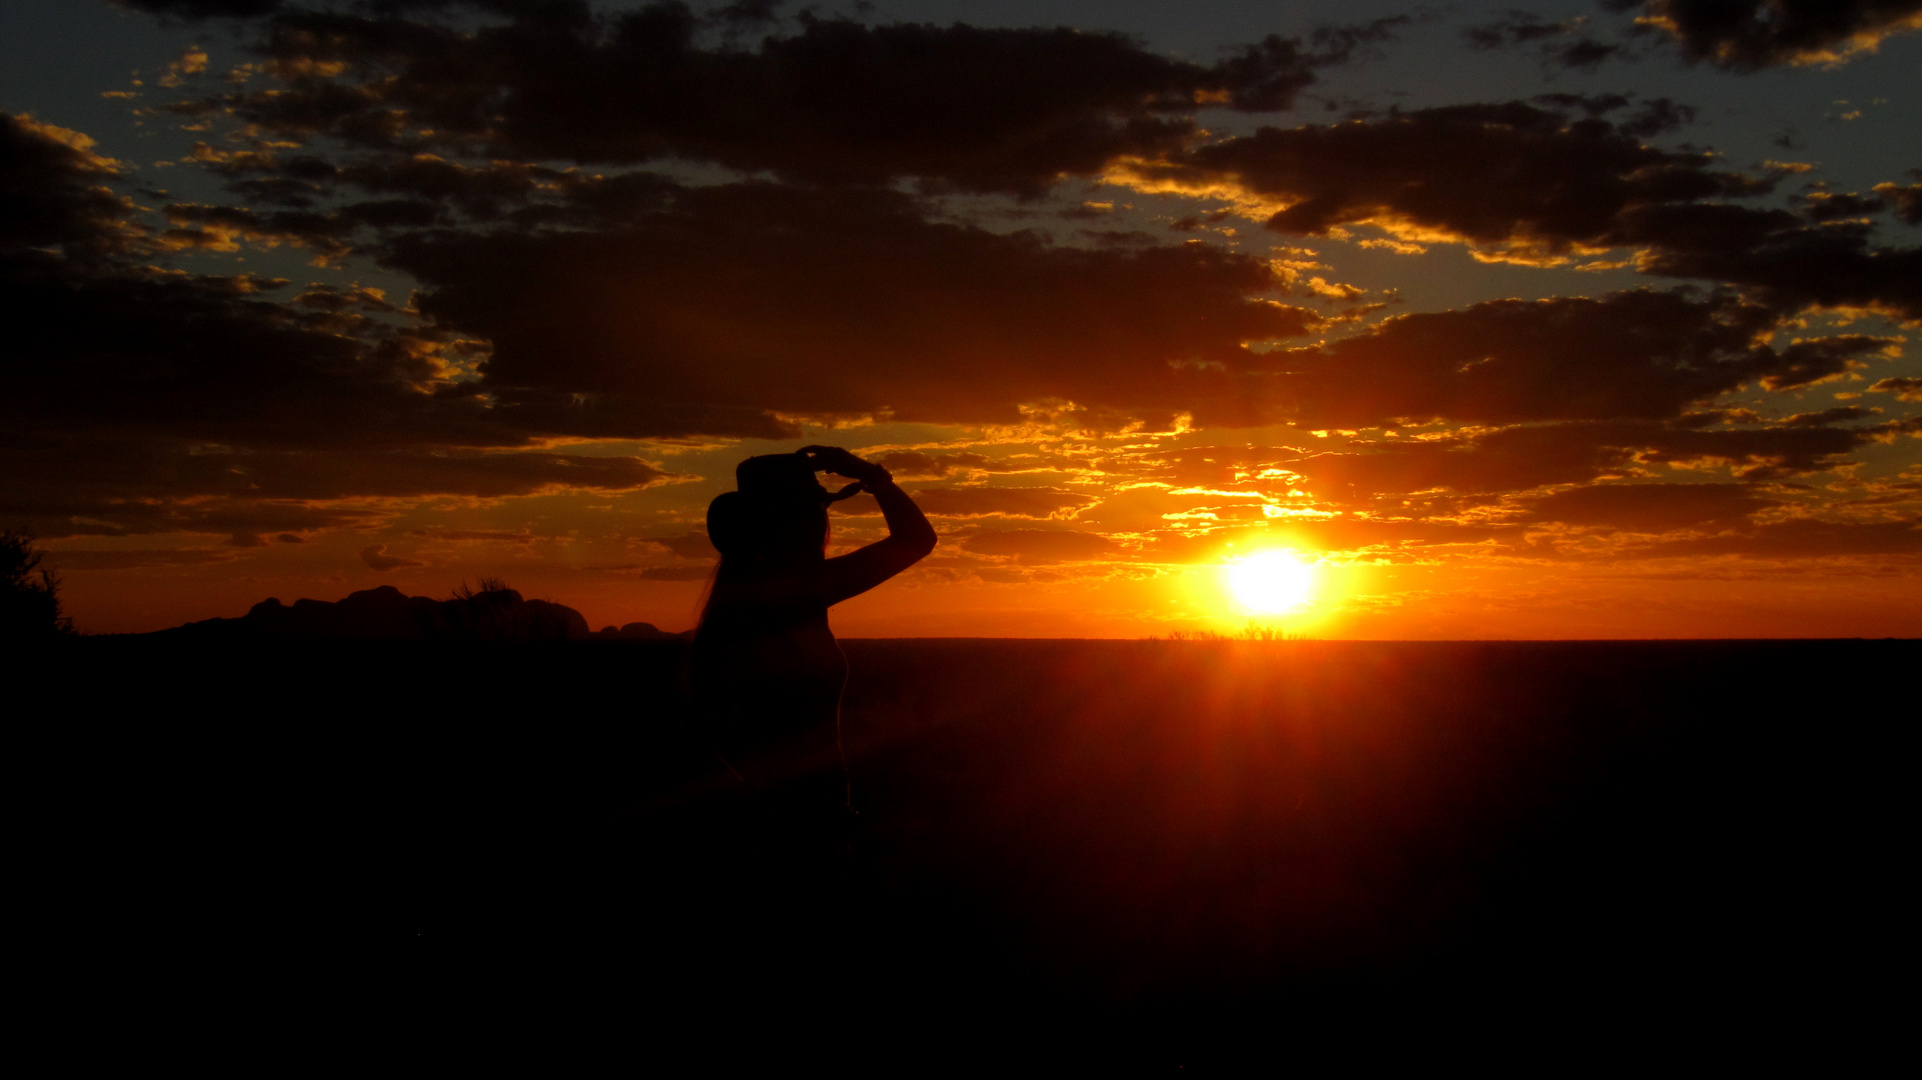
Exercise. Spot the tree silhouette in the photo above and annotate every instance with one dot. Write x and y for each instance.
(29, 596)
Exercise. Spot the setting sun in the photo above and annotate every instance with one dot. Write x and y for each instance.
(1270, 582)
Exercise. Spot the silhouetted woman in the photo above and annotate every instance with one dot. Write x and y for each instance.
(766, 672)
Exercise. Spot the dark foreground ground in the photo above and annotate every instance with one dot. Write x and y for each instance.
(1147, 855)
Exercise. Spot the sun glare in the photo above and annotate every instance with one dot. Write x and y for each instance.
(1270, 582)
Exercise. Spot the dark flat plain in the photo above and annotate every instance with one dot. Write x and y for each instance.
(1151, 854)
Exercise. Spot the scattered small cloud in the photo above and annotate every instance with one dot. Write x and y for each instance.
(375, 557)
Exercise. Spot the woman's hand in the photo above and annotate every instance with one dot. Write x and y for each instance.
(842, 463)
(909, 538)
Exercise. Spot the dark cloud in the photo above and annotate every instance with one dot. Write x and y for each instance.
(1711, 520)
(222, 228)
(1656, 116)
(1834, 265)
(102, 486)
(102, 508)
(1652, 117)
(475, 535)
(148, 404)
(1799, 538)
(1649, 507)
(134, 559)
(1753, 452)
(1825, 206)
(1514, 459)
(341, 473)
(1551, 39)
(1585, 54)
(1839, 414)
(53, 189)
(1905, 201)
(1746, 35)
(1028, 502)
(1195, 466)
(1903, 389)
(1640, 354)
(125, 350)
(130, 350)
(1806, 362)
(757, 297)
(323, 297)
(688, 545)
(1510, 174)
(204, 9)
(1529, 183)
(916, 465)
(99, 342)
(1267, 76)
(1351, 534)
(421, 189)
(137, 399)
(1518, 28)
(831, 99)
(676, 573)
(1040, 545)
(1540, 455)
(375, 557)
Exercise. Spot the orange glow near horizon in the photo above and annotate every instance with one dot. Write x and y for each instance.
(1407, 600)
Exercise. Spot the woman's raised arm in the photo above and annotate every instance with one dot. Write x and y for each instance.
(909, 538)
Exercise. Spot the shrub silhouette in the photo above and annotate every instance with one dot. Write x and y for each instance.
(481, 590)
(29, 596)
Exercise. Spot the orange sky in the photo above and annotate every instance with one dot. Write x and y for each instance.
(1161, 576)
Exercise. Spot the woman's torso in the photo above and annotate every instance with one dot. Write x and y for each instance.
(767, 682)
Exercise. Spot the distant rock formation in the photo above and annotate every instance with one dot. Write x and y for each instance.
(387, 614)
(636, 631)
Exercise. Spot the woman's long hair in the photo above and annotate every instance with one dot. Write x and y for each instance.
(758, 536)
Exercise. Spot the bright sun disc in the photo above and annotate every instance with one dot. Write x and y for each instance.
(1269, 582)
